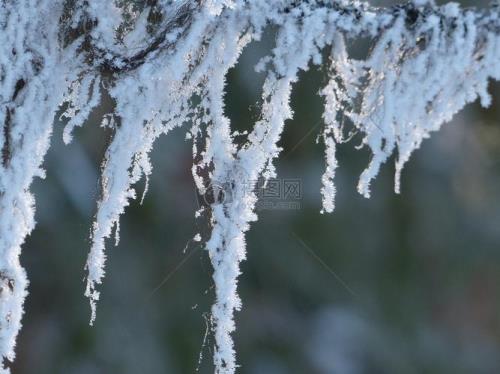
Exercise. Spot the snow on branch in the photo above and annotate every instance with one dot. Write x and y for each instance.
(164, 64)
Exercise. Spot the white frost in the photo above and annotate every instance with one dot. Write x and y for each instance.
(427, 63)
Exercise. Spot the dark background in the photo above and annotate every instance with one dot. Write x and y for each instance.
(396, 284)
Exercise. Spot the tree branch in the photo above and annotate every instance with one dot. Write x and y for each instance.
(109, 61)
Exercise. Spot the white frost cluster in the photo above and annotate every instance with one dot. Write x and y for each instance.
(427, 62)
(33, 78)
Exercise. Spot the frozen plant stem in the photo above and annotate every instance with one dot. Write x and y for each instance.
(164, 64)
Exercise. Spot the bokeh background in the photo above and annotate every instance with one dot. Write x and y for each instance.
(404, 283)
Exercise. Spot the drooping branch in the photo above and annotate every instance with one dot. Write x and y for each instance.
(170, 32)
(164, 64)
(359, 19)
(444, 53)
(165, 27)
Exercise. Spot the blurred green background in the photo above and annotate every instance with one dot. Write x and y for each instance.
(404, 283)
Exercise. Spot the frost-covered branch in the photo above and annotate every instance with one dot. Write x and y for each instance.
(164, 64)
(33, 75)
